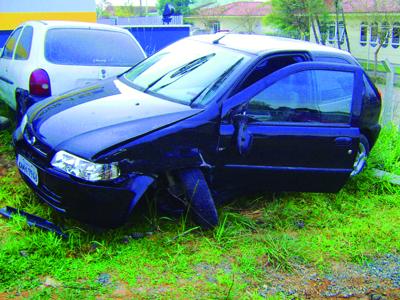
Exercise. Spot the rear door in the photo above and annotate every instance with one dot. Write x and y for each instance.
(296, 129)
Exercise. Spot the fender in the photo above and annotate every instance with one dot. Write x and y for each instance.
(139, 186)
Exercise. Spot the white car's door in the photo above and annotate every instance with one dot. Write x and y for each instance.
(7, 81)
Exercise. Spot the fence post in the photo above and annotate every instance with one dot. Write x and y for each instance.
(388, 106)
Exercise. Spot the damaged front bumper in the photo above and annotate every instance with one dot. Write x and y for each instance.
(103, 204)
(32, 220)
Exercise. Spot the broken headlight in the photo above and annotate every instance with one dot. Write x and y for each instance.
(83, 168)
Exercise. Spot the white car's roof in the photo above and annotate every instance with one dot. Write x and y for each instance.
(258, 44)
(73, 24)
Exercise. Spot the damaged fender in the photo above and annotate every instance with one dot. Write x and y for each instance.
(139, 186)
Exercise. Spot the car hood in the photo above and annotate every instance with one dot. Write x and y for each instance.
(90, 120)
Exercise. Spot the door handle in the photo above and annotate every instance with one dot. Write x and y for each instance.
(343, 141)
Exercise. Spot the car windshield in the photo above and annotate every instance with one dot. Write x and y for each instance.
(91, 47)
(186, 71)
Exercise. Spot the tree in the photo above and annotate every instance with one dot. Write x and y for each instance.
(103, 9)
(181, 6)
(209, 16)
(248, 21)
(295, 18)
(128, 10)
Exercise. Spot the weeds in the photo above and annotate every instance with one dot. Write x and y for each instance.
(256, 234)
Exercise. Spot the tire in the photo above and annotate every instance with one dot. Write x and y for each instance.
(361, 157)
(201, 204)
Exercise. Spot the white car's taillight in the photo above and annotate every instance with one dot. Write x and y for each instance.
(39, 83)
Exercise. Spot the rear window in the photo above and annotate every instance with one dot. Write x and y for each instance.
(91, 47)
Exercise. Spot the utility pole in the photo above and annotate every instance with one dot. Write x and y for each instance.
(337, 23)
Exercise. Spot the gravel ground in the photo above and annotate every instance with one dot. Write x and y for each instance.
(378, 279)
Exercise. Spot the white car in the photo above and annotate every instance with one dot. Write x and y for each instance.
(51, 57)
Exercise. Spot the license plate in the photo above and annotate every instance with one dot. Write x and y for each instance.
(28, 169)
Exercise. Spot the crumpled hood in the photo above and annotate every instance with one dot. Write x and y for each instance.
(93, 119)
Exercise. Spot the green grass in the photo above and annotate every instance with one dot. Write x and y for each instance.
(370, 66)
(256, 235)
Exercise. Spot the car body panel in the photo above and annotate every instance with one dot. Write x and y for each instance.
(62, 77)
(158, 137)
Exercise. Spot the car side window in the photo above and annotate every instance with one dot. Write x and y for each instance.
(24, 45)
(311, 96)
(10, 44)
(335, 94)
(268, 66)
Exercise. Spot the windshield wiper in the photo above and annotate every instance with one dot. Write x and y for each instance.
(217, 83)
(190, 66)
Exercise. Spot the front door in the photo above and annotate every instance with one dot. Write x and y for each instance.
(6, 81)
(295, 129)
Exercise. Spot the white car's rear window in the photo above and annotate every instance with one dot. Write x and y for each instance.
(91, 47)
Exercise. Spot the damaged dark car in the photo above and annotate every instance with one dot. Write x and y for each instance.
(205, 116)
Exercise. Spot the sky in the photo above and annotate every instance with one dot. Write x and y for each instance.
(134, 2)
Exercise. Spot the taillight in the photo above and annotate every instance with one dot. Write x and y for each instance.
(39, 83)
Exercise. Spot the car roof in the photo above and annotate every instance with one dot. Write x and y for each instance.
(260, 44)
(72, 24)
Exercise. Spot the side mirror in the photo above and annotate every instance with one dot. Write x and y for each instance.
(4, 123)
(244, 138)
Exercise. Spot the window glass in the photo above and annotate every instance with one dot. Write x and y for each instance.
(186, 71)
(335, 32)
(91, 47)
(363, 33)
(374, 34)
(385, 34)
(332, 33)
(320, 96)
(24, 44)
(335, 94)
(396, 35)
(269, 66)
(286, 101)
(10, 45)
(216, 26)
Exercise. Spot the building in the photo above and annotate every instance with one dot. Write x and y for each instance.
(240, 17)
(366, 22)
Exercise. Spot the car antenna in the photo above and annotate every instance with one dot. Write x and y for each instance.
(218, 39)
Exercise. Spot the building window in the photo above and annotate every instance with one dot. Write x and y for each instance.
(331, 33)
(374, 34)
(334, 32)
(363, 33)
(396, 35)
(385, 27)
(216, 26)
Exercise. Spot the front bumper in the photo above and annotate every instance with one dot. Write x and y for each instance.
(105, 204)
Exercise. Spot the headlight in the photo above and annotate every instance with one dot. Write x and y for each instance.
(83, 168)
(23, 123)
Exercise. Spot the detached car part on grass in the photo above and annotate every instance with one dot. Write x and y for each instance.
(202, 119)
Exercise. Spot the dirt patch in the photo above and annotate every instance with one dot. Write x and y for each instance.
(378, 279)
(5, 164)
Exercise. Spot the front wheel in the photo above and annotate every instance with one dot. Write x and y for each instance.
(199, 198)
(361, 157)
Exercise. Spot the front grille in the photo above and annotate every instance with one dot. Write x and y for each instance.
(48, 183)
(35, 142)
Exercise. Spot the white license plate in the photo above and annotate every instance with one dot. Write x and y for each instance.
(28, 169)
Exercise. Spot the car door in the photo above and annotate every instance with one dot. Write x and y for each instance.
(6, 81)
(294, 130)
